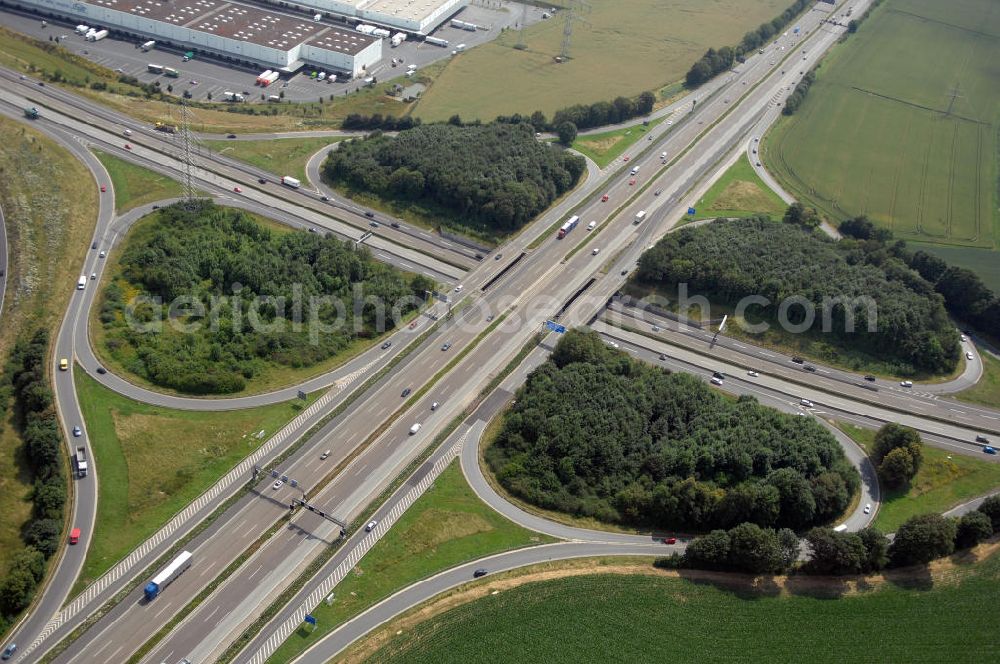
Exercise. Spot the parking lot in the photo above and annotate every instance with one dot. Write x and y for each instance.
(204, 77)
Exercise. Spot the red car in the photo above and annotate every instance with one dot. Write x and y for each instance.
(631, 182)
(413, 325)
(625, 158)
(103, 189)
(237, 190)
(670, 540)
(604, 198)
(128, 147)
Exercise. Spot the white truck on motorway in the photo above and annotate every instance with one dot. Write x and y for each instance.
(289, 181)
(415, 428)
(81, 283)
(81, 461)
(640, 216)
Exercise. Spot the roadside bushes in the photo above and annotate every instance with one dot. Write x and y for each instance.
(799, 93)
(744, 548)
(897, 454)
(25, 380)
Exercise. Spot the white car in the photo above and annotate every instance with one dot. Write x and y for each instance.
(458, 288)
(968, 355)
(906, 383)
(277, 484)
(962, 337)
(868, 508)
(434, 406)
(752, 373)
(806, 403)
(716, 380)
(596, 251)
(371, 525)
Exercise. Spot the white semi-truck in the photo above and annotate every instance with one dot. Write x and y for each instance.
(289, 181)
(81, 461)
(169, 573)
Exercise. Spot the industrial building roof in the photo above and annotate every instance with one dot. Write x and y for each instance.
(177, 12)
(258, 26)
(341, 41)
(406, 9)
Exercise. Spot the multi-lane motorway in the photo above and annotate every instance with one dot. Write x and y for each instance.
(535, 284)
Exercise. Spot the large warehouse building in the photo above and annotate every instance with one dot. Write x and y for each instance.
(416, 16)
(238, 33)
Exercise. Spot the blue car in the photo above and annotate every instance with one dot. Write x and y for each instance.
(989, 450)
(9, 651)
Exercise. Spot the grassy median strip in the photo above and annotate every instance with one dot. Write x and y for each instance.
(135, 185)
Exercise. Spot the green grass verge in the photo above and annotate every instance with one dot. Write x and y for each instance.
(153, 461)
(640, 618)
(447, 526)
(987, 391)
(49, 202)
(135, 185)
(617, 50)
(900, 125)
(739, 193)
(943, 481)
(283, 156)
(605, 147)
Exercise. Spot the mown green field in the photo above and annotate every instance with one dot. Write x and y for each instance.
(604, 147)
(739, 193)
(636, 618)
(153, 461)
(622, 48)
(901, 125)
(135, 185)
(285, 156)
(447, 526)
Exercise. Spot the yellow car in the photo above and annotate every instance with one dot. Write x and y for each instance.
(63, 364)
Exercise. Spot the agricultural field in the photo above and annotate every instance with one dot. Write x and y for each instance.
(285, 156)
(447, 526)
(49, 203)
(639, 615)
(155, 460)
(619, 48)
(739, 193)
(943, 481)
(901, 125)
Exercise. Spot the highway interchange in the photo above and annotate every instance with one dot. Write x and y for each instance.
(536, 283)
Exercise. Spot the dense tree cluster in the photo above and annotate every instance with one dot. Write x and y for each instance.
(846, 553)
(24, 378)
(921, 539)
(728, 261)
(358, 121)
(595, 433)
(717, 61)
(600, 113)
(238, 284)
(897, 454)
(744, 548)
(794, 100)
(965, 295)
(494, 178)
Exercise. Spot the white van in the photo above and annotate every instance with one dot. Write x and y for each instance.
(635, 170)
(415, 428)
(592, 225)
(82, 283)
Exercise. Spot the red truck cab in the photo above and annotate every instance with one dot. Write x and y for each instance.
(74, 536)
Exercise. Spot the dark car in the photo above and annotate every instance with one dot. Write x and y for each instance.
(93, 246)
(261, 180)
(395, 224)
(370, 215)
(870, 378)
(479, 257)
(325, 198)
(810, 367)
(386, 345)
(406, 392)
(12, 648)
(102, 370)
(479, 572)
(231, 136)
(497, 257)
(982, 439)
(797, 360)
(719, 375)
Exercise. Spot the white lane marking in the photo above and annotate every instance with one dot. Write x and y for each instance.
(956, 410)
(114, 653)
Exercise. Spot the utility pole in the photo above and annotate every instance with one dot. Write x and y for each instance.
(573, 9)
(189, 196)
(524, 24)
